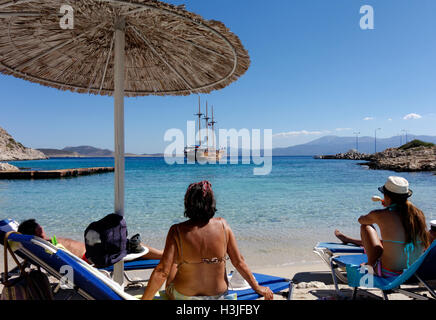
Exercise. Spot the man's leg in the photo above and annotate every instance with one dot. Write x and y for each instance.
(75, 247)
(152, 254)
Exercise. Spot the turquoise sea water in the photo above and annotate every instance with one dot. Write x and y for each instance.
(277, 218)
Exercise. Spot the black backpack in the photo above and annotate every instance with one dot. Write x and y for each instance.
(106, 241)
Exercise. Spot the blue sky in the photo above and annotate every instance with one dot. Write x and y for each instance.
(313, 72)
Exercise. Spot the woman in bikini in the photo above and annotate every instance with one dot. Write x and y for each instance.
(402, 227)
(199, 249)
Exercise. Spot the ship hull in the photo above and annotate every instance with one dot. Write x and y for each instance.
(203, 155)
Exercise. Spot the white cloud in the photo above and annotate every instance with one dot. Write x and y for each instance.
(368, 118)
(299, 133)
(412, 116)
(343, 129)
(390, 119)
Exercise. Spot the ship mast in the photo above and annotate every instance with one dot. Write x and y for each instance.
(199, 114)
(206, 118)
(212, 124)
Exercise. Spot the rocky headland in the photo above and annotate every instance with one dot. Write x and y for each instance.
(404, 160)
(411, 157)
(11, 150)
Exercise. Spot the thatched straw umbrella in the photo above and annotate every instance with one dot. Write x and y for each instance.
(120, 48)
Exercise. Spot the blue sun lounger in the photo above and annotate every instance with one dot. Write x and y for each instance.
(136, 265)
(328, 250)
(129, 263)
(334, 247)
(277, 285)
(88, 281)
(421, 271)
(133, 265)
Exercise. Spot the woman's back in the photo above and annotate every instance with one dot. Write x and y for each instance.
(398, 253)
(201, 258)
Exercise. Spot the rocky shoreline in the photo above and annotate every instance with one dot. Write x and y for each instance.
(410, 160)
(350, 155)
(8, 167)
(11, 150)
(415, 159)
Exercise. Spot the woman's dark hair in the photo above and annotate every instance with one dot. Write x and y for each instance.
(28, 227)
(413, 220)
(200, 201)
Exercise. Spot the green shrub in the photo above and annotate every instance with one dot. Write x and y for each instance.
(416, 143)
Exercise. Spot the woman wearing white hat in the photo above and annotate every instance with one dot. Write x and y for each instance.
(402, 227)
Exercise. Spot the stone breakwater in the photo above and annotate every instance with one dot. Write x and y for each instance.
(350, 155)
(53, 174)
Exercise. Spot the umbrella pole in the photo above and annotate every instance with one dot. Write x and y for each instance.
(119, 69)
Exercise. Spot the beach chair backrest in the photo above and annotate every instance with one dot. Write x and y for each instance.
(7, 225)
(61, 264)
(416, 267)
(427, 270)
(354, 274)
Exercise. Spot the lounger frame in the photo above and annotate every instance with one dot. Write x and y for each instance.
(335, 265)
(327, 254)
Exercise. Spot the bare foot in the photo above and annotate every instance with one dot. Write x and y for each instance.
(346, 240)
(341, 236)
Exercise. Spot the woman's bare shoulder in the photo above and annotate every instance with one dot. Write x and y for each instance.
(175, 228)
(384, 215)
(221, 220)
(379, 211)
(182, 225)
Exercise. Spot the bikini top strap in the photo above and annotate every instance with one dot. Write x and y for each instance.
(392, 207)
(225, 238)
(225, 254)
(179, 242)
(394, 241)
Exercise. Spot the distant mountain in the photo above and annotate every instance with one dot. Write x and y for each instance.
(75, 152)
(58, 153)
(152, 155)
(89, 151)
(330, 145)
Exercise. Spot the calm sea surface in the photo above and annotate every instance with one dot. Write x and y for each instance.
(277, 218)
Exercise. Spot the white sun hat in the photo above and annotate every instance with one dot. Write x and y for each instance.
(397, 186)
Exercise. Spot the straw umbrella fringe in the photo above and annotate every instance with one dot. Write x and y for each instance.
(169, 51)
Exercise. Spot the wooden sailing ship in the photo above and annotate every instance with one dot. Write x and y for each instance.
(204, 151)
